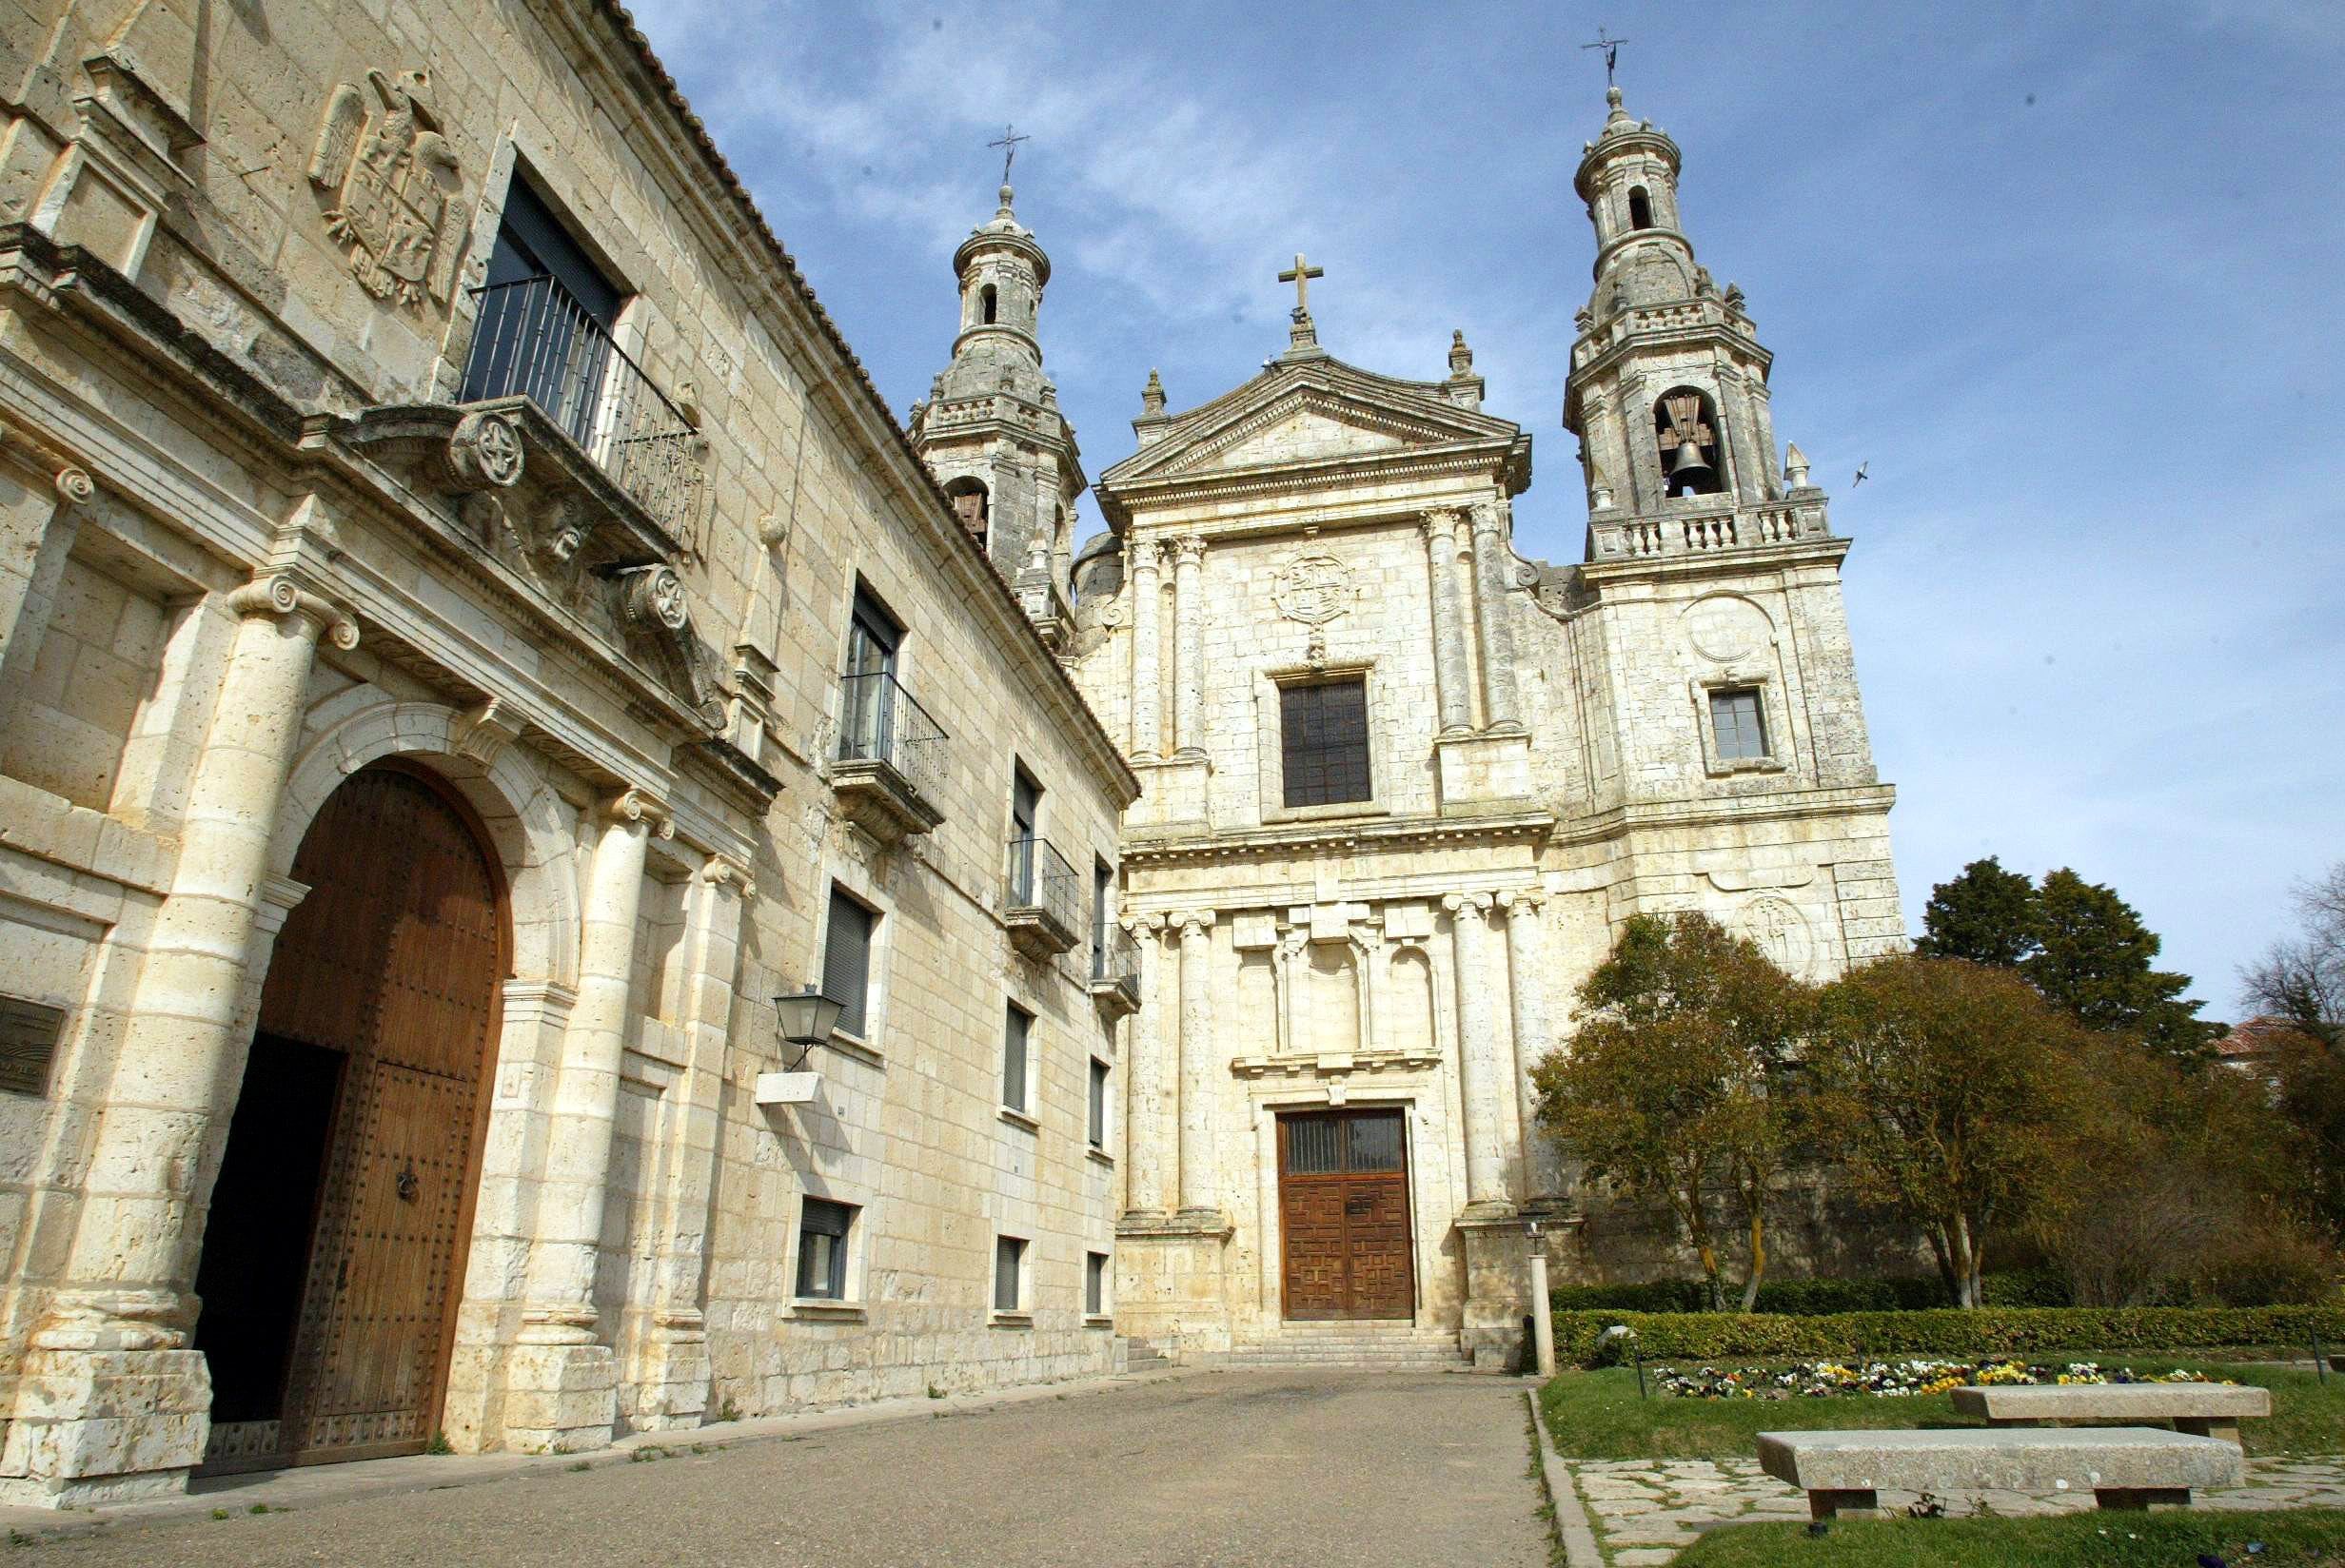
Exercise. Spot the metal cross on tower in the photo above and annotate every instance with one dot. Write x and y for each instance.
(1300, 274)
(1611, 48)
(1010, 139)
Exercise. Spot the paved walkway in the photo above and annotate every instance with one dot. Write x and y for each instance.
(1264, 1468)
(1647, 1511)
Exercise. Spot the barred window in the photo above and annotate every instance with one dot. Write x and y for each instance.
(1736, 725)
(1323, 731)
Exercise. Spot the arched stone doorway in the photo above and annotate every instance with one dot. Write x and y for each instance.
(334, 1250)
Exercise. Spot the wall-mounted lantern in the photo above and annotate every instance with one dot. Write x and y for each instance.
(805, 1019)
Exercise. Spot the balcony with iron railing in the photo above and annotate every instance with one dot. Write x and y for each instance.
(533, 340)
(1114, 969)
(1043, 902)
(889, 773)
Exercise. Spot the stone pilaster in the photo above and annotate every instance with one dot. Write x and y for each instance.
(1501, 700)
(37, 527)
(1484, 1082)
(1533, 1037)
(1198, 1191)
(1147, 669)
(1147, 1133)
(114, 1403)
(563, 1388)
(671, 1382)
(1189, 634)
(1456, 701)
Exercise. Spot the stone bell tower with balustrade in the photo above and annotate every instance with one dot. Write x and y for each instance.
(991, 430)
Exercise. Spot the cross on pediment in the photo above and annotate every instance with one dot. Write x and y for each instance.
(1300, 274)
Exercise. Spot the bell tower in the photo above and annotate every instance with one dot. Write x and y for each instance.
(991, 430)
(1668, 384)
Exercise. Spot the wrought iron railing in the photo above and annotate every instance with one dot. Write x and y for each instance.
(1042, 879)
(879, 721)
(1114, 955)
(534, 340)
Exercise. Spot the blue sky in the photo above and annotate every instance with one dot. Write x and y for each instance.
(2066, 277)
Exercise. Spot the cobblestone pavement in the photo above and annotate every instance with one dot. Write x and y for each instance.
(1263, 1468)
(1647, 1511)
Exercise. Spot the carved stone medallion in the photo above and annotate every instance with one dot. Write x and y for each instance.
(395, 187)
(484, 452)
(1312, 589)
(1726, 627)
(1781, 931)
(656, 594)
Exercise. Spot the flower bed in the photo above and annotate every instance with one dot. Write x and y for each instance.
(1889, 1380)
(1979, 1333)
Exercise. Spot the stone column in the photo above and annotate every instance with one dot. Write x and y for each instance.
(37, 528)
(1527, 974)
(672, 1382)
(565, 1381)
(113, 1404)
(1485, 1081)
(1197, 1188)
(1448, 621)
(1146, 1133)
(1147, 629)
(1501, 703)
(1189, 634)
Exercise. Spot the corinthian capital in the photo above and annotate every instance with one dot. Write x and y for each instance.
(1489, 517)
(1441, 522)
(1189, 549)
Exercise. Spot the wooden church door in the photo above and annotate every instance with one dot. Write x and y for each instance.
(383, 996)
(1343, 1201)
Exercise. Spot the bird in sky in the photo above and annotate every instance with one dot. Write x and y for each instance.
(1859, 479)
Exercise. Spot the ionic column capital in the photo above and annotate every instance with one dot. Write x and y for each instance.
(1153, 924)
(635, 804)
(1458, 903)
(727, 875)
(1523, 903)
(1192, 922)
(275, 594)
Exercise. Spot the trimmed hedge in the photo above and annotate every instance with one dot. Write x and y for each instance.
(2023, 1332)
(1809, 1298)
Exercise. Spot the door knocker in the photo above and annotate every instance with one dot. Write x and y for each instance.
(407, 1183)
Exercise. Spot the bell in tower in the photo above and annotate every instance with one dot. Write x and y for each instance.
(1684, 433)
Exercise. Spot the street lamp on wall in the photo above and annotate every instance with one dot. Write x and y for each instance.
(805, 1020)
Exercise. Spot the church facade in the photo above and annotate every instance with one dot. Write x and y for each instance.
(1400, 785)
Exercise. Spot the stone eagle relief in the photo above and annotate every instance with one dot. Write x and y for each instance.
(395, 185)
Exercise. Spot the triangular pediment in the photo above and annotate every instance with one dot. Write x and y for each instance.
(1309, 414)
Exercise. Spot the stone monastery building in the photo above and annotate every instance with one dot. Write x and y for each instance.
(476, 654)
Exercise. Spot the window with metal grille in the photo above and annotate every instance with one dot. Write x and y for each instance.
(846, 962)
(823, 1248)
(1738, 725)
(1009, 1263)
(1013, 1039)
(1095, 1284)
(1098, 1104)
(1323, 742)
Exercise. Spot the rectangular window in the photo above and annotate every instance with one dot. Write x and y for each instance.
(822, 1250)
(1009, 1262)
(546, 313)
(1736, 725)
(1102, 899)
(1095, 1285)
(1098, 1104)
(846, 962)
(1025, 811)
(867, 711)
(1014, 1038)
(1323, 742)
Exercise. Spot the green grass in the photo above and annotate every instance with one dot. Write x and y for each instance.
(2305, 1538)
(1598, 1416)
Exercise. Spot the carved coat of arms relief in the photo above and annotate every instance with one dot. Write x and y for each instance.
(395, 187)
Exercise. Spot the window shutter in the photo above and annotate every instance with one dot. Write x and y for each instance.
(846, 961)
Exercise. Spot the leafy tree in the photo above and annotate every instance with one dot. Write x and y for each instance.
(1673, 1087)
(2302, 980)
(1936, 1080)
(2095, 958)
(1987, 916)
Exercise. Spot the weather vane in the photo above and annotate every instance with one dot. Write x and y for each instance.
(1611, 48)
(1010, 139)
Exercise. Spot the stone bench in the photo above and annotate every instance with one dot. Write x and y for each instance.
(2207, 1409)
(2124, 1466)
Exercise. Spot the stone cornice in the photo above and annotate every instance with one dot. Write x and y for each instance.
(1775, 805)
(1258, 843)
(1826, 551)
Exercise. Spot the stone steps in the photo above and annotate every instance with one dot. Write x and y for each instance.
(1398, 1346)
